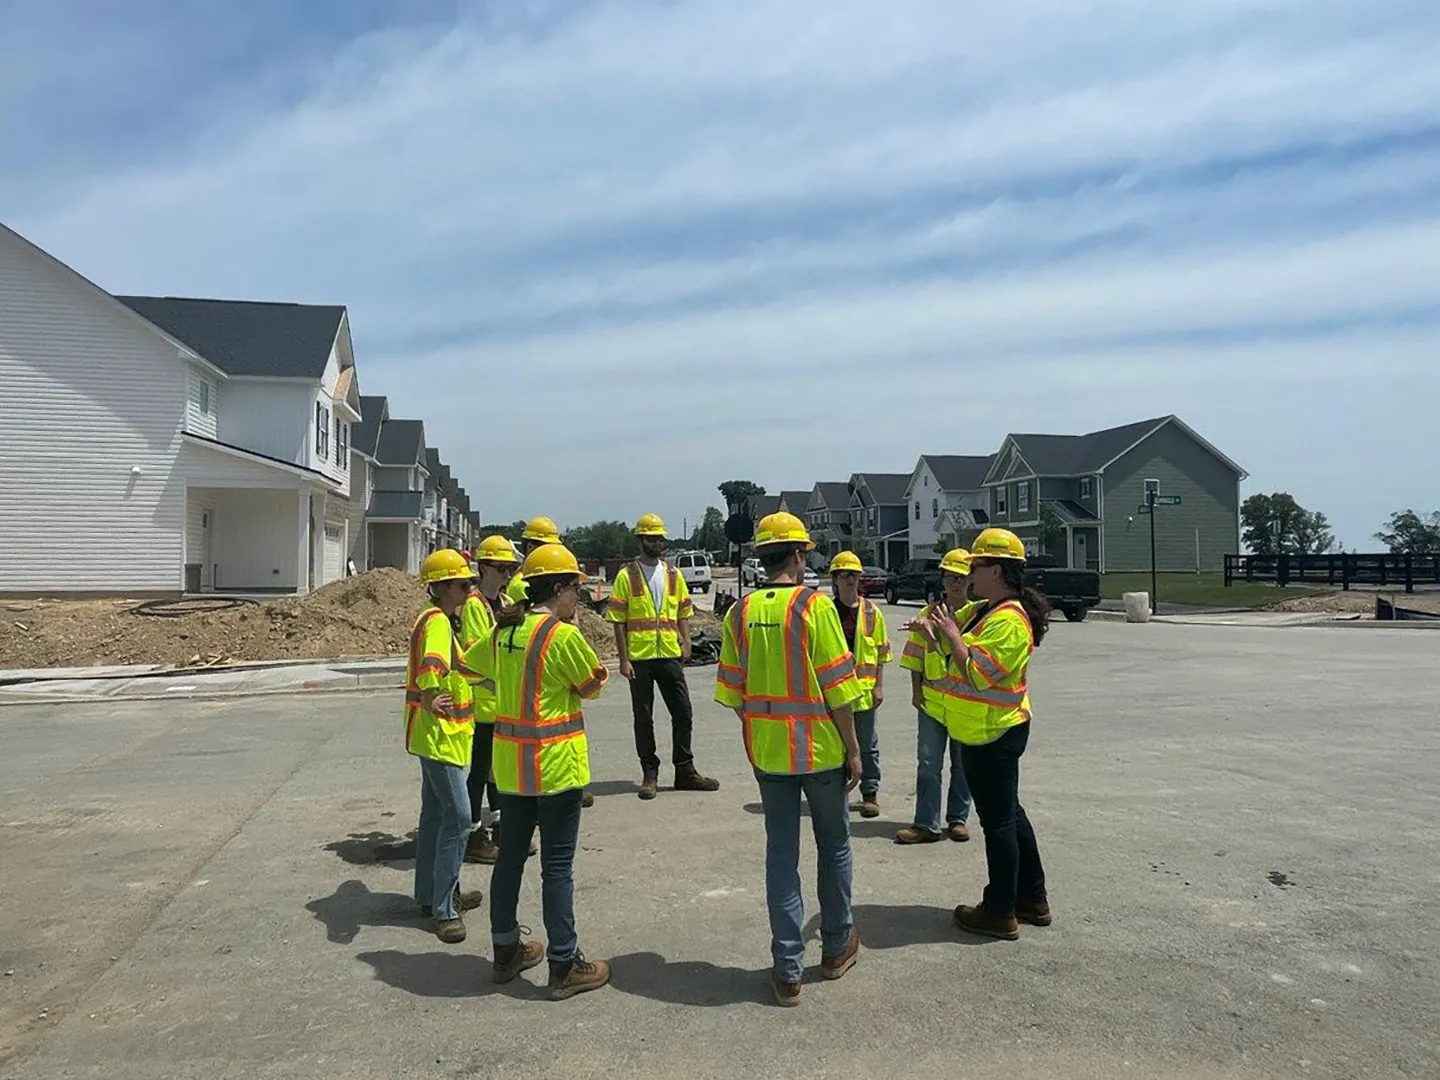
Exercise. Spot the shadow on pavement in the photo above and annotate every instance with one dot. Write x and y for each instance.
(686, 982)
(353, 906)
(603, 788)
(860, 828)
(898, 926)
(363, 849)
(447, 975)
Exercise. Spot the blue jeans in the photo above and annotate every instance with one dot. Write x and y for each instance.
(930, 744)
(558, 817)
(830, 818)
(869, 740)
(440, 839)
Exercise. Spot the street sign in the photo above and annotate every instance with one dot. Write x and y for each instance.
(1143, 508)
(1167, 500)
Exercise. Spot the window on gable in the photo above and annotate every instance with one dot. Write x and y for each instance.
(934, 508)
(322, 431)
(1152, 487)
(204, 398)
(1087, 488)
(925, 480)
(342, 441)
(1023, 500)
(917, 509)
(1000, 504)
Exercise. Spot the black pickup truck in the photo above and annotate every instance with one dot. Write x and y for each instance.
(1073, 592)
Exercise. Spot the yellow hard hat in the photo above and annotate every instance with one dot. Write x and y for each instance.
(998, 544)
(846, 560)
(782, 528)
(956, 561)
(496, 549)
(446, 564)
(650, 525)
(542, 530)
(551, 559)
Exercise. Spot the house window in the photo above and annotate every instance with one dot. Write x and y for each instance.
(1152, 487)
(872, 517)
(204, 398)
(1087, 487)
(917, 509)
(934, 508)
(925, 480)
(322, 431)
(1024, 497)
(342, 441)
(1000, 503)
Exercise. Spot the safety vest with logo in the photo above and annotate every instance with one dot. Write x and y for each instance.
(539, 670)
(990, 695)
(785, 665)
(649, 635)
(931, 660)
(872, 648)
(477, 620)
(434, 664)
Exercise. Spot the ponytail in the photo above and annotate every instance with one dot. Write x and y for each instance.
(1037, 608)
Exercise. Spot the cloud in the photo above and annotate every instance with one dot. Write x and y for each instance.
(677, 216)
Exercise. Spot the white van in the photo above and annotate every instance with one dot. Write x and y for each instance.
(694, 567)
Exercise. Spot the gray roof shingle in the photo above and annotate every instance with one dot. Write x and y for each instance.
(1067, 455)
(887, 489)
(795, 501)
(834, 494)
(395, 504)
(959, 472)
(245, 337)
(365, 436)
(402, 442)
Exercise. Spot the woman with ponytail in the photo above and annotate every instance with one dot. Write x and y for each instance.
(987, 711)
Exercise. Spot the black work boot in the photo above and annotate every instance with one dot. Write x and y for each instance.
(688, 779)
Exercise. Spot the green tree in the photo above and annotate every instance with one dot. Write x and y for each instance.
(1407, 533)
(1052, 533)
(1276, 524)
(602, 540)
(736, 492)
(1313, 535)
(710, 536)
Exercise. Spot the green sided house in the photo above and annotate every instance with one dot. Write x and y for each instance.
(1085, 492)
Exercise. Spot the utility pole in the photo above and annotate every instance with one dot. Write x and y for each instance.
(1154, 599)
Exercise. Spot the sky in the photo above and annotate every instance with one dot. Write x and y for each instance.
(652, 246)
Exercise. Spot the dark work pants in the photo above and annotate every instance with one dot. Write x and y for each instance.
(558, 818)
(479, 783)
(1011, 854)
(669, 676)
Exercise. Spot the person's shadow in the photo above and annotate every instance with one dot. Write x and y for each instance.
(687, 982)
(447, 975)
(353, 906)
(365, 849)
(899, 926)
(603, 788)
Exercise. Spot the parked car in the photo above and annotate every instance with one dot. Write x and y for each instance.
(694, 567)
(751, 573)
(873, 580)
(916, 579)
(1073, 592)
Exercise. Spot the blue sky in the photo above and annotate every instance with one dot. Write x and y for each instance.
(653, 246)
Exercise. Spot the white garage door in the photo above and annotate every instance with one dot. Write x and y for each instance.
(334, 552)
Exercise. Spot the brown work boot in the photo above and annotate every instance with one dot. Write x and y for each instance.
(511, 960)
(786, 993)
(468, 900)
(979, 921)
(957, 831)
(586, 801)
(869, 806)
(687, 779)
(481, 848)
(832, 967)
(649, 786)
(1034, 912)
(913, 834)
(451, 931)
(577, 976)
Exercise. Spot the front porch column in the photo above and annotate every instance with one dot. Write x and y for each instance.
(302, 544)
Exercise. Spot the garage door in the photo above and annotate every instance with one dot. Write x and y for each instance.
(334, 552)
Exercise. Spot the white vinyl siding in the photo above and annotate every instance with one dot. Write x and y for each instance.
(200, 403)
(87, 393)
(200, 514)
(270, 417)
(260, 545)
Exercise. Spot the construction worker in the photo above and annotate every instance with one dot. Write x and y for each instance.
(651, 609)
(786, 671)
(538, 532)
(925, 657)
(497, 562)
(864, 626)
(541, 669)
(987, 704)
(439, 724)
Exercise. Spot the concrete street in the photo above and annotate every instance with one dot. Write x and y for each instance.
(1239, 825)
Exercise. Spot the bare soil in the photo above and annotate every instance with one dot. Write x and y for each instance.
(1358, 601)
(365, 616)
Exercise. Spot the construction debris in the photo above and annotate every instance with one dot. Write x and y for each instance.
(369, 615)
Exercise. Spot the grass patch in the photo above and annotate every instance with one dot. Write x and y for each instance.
(1201, 589)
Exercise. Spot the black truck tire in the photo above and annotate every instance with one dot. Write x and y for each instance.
(1076, 613)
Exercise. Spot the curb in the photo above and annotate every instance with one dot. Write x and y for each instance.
(363, 685)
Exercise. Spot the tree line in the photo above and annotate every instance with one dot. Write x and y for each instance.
(1276, 524)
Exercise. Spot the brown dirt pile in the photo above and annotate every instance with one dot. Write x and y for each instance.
(365, 616)
(1358, 601)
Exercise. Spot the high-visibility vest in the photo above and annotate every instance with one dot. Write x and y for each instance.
(872, 648)
(515, 589)
(540, 671)
(433, 663)
(990, 695)
(649, 635)
(785, 665)
(931, 660)
(477, 621)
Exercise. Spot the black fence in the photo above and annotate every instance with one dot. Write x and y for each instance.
(1396, 571)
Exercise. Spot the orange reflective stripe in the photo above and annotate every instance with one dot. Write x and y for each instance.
(961, 688)
(836, 672)
(560, 727)
(867, 671)
(592, 684)
(636, 626)
(731, 676)
(986, 663)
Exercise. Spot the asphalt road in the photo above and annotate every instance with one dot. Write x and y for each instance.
(1239, 826)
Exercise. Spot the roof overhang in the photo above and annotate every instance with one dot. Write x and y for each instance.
(311, 477)
(1206, 443)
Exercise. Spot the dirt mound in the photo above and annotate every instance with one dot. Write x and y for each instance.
(365, 616)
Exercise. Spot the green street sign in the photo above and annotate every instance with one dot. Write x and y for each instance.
(1143, 508)
(1167, 500)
